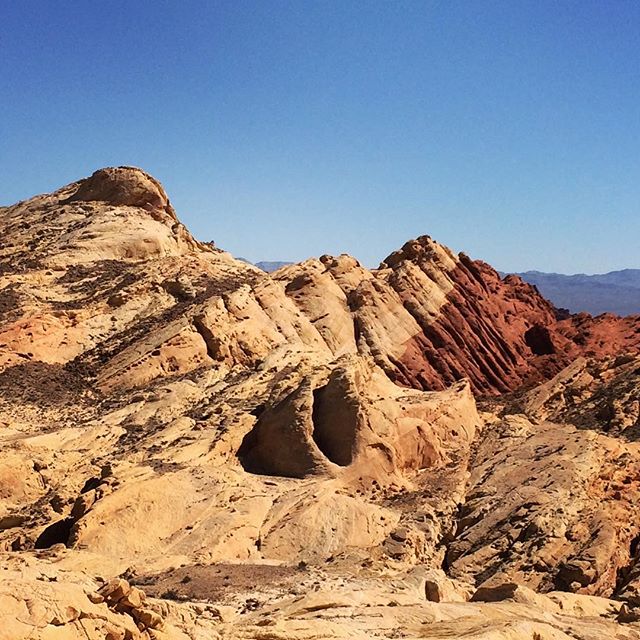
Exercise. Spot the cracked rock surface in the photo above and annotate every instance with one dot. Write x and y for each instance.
(193, 448)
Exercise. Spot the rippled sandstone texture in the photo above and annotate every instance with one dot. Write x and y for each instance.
(300, 454)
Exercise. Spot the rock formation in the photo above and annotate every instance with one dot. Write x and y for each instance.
(193, 447)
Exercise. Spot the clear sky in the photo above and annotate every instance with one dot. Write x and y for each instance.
(509, 130)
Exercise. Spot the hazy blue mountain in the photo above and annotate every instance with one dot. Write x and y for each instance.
(617, 291)
(271, 266)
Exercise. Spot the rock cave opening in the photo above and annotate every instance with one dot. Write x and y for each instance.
(538, 339)
(248, 444)
(334, 420)
(56, 533)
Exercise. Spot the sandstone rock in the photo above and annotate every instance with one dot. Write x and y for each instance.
(356, 419)
(123, 186)
(318, 424)
(628, 615)
(540, 511)
(96, 598)
(600, 394)
(149, 618)
(498, 592)
(134, 599)
(115, 590)
(438, 587)
(181, 288)
(282, 442)
(83, 503)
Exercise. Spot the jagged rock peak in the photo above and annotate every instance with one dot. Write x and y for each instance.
(124, 186)
(420, 250)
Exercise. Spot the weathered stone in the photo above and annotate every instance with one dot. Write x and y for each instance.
(115, 590)
(149, 618)
(135, 598)
(83, 503)
(125, 342)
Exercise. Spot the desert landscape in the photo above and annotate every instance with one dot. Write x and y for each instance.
(195, 449)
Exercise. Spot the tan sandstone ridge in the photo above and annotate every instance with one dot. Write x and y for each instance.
(193, 448)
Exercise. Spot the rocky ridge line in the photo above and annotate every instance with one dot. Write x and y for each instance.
(165, 406)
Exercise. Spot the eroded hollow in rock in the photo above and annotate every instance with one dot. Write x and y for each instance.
(249, 443)
(335, 417)
(538, 339)
(280, 442)
(91, 483)
(307, 430)
(56, 533)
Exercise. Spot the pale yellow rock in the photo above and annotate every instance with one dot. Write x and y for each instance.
(245, 447)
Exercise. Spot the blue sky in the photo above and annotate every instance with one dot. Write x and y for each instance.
(508, 130)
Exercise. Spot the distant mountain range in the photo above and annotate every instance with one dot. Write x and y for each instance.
(616, 292)
(271, 266)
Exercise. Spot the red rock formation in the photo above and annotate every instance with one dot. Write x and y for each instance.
(165, 405)
(119, 274)
(499, 333)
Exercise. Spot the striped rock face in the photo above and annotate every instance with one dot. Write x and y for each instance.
(322, 451)
(102, 273)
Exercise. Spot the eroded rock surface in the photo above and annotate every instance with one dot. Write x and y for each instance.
(300, 454)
